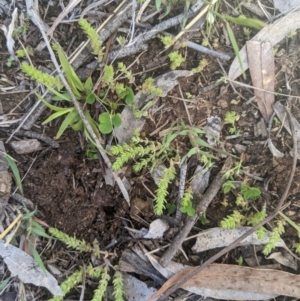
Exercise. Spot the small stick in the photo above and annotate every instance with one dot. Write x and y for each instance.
(252, 230)
(182, 179)
(42, 137)
(3, 234)
(201, 208)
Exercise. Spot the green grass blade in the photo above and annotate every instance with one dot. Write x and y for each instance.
(92, 123)
(4, 283)
(58, 114)
(48, 105)
(158, 4)
(293, 224)
(72, 78)
(67, 121)
(249, 22)
(13, 166)
(64, 96)
(39, 230)
(235, 47)
(38, 259)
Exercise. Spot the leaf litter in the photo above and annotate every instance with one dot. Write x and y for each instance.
(241, 270)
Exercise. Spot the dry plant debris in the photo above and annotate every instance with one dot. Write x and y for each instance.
(179, 161)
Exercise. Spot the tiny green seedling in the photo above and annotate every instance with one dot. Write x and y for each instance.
(24, 52)
(186, 205)
(202, 64)
(176, 59)
(239, 260)
(11, 61)
(101, 272)
(233, 221)
(171, 208)
(108, 121)
(247, 32)
(250, 193)
(203, 219)
(228, 186)
(167, 40)
(231, 118)
(92, 151)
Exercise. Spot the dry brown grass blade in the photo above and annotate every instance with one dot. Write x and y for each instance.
(67, 9)
(262, 70)
(231, 277)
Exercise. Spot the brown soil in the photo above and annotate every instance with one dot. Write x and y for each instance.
(69, 189)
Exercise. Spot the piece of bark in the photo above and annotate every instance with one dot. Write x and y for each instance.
(26, 146)
(262, 70)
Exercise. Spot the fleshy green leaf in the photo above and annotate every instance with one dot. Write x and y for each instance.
(190, 211)
(104, 117)
(116, 120)
(88, 86)
(91, 98)
(105, 128)
(77, 126)
(130, 96)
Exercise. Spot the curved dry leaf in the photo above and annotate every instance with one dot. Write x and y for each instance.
(8, 32)
(275, 152)
(272, 33)
(200, 181)
(219, 237)
(231, 294)
(24, 266)
(157, 229)
(231, 278)
(135, 289)
(285, 259)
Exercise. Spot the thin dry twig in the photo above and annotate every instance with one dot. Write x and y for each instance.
(65, 11)
(236, 242)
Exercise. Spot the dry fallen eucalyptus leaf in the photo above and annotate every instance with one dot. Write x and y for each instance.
(24, 266)
(272, 33)
(219, 237)
(262, 70)
(229, 294)
(230, 278)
